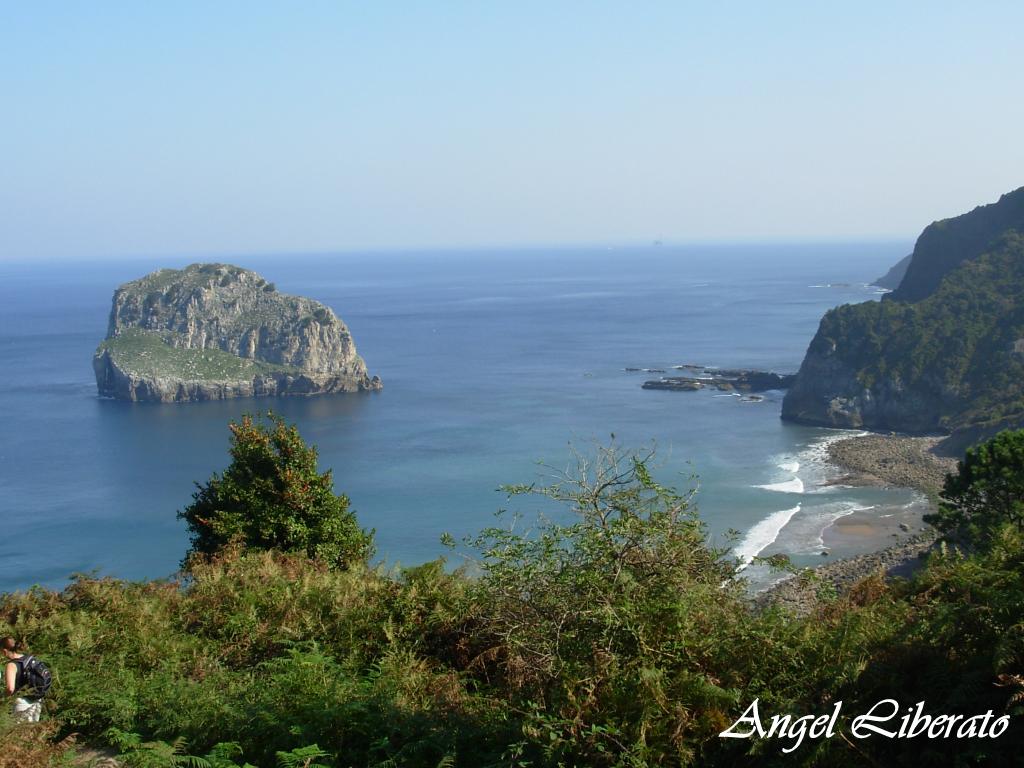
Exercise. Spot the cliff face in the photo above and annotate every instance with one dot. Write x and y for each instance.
(891, 280)
(212, 331)
(833, 387)
(949, 358)
(946, 244)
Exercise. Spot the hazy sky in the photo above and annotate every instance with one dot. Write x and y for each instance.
(220, 127)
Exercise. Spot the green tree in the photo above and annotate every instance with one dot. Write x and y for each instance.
(987, 491)
(273, 497)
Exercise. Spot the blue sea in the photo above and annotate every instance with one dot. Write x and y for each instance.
(494, 363)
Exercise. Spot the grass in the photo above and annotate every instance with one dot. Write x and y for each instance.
(145, 353)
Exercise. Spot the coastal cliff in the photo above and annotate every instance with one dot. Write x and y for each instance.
(947, 244)
(216, 331)
(943, 353)
(891, 280)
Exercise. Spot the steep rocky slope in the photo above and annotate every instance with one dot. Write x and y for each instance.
(214, 331)
(945, 245)
(892, 279)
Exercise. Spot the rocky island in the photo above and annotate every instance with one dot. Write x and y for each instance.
(217, 331)
(943, 353)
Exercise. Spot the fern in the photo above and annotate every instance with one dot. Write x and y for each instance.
(302, 757)
(136, 753)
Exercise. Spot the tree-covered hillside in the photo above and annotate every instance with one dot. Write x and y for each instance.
(951, 360)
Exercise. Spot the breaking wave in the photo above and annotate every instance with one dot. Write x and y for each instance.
(796, 485)
(762, 535)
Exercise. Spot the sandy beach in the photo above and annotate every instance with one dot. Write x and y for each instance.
(886, 460)
(864, 542)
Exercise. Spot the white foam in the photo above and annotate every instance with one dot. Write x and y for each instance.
(849, 511)
(796, 485)
(762, 535)
(819, 471)
(789, 466)
(830, 520)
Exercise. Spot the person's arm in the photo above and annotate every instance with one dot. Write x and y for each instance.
(10, 677)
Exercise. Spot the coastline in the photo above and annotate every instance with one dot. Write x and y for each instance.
(865, 542)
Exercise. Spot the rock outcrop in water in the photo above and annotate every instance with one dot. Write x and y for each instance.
(216, 331)
(723, 380)
(943, 353)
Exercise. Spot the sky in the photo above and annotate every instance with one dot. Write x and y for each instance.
(141, 129)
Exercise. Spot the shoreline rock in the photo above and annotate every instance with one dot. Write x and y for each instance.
(118, 384)
(892, 460)
(799, 593)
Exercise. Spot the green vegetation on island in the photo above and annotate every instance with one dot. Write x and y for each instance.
(145, 354)
(615, 637)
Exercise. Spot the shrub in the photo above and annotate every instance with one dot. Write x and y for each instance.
(273, 497)
(610, 635)
(611, 631)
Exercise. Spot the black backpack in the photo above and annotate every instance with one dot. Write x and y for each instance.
(35, 676)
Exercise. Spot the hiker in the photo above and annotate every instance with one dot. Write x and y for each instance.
(26, 680)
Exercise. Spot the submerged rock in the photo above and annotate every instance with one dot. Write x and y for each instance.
(215, 331)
